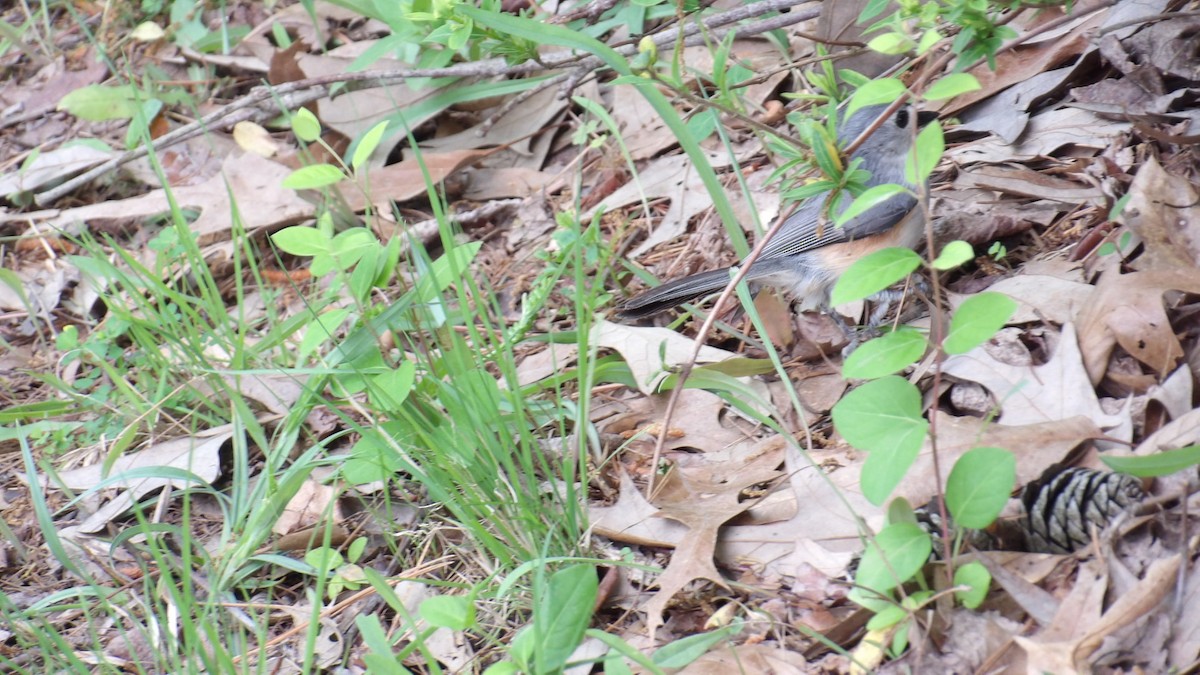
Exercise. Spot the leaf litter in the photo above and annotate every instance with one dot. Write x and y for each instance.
(1096, 108)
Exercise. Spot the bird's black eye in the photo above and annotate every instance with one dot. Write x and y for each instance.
(902, 118)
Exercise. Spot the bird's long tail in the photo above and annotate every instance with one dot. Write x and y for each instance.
(674, 293)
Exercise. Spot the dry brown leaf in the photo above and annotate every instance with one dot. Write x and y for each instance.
(484, 183)
(1007, 573)
(1175, 393)
(404, 180)
(550, 361)
(1047, 133)
(1128, 310)
(1039, 298)
(1057, 390)
(651, 353)
(1024, 62)
(1164, 210)
(776, 314)
(672, 178)
(633, 520)
(1070, 642)
(703, 501)
(258, 192)
(523, 129)
(199, 455)
(825, 530)
(43, 283)
(1037, 446)
(353, 113)
(1178, 433)
(980, 217)
(1184, 646)
(748, 658)
(52, 166)
(839, 22)
(276, 393)
(312, 504)
(1028, 183)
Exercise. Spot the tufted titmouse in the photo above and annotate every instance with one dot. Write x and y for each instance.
(807, 256)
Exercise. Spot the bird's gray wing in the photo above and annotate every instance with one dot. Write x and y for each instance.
(804, 232)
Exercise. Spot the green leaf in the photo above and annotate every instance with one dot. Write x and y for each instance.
(885, 355)
(313, 177)
(979, 486)
(388, 390)
(320, 331)
(502, 668)
(15, 284)
(616, 664)
(380, 659)
(305, 126)
(874, 92)
(928, 39)
(975, 575)
(870, 417)
(953, 254)
(324, 559)
(825, 152)
(521, 648)
(703, 124)
(927, 152)
(872, 10)
(952, 85)
(739, 366)
(976, 320)
(882, 417)
(892, 44)
(874, 273)
(898, 552)
(1159, 464)
(455, 612)
(367, 145)
(883, 470)
(887, 617)
(681, 652)
(301, 240)
(1118, 206)
(618, 646)
(449, 268)
(355, 550)
(869, 199)
(900, 511)
(97, 102)
(562, 616)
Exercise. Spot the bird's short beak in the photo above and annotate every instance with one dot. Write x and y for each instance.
(925, 117)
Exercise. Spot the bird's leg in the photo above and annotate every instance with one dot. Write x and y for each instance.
(882, 304)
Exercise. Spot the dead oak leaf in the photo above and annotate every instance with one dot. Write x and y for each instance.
(1028, 394)
(1127, 309)
(1164, 210)
(703, 501)
(406, 180)
(633, 520)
